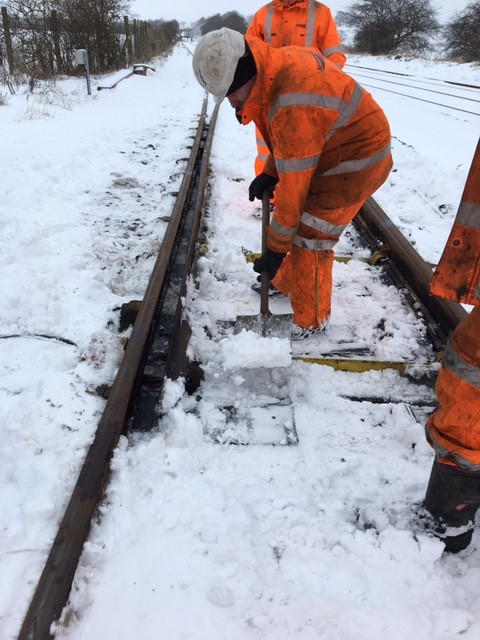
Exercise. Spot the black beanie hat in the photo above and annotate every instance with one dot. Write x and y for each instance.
(245, 70)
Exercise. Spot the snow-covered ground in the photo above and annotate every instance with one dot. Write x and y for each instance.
(197, 539)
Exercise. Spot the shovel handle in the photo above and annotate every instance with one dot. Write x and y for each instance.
(265, 217)
(264, 279)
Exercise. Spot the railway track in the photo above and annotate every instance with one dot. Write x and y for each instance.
(454, 96)
(163, 326)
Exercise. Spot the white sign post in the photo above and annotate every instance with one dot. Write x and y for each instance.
(81, 60)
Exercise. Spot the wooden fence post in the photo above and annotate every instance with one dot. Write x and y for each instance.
(8, 40)
(56, 40)
(135, 38)
(128, 39)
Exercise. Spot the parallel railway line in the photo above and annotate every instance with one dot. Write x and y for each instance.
(465, 99)
(156, 350)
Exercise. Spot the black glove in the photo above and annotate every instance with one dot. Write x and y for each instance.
(270, 262)
(260, 184)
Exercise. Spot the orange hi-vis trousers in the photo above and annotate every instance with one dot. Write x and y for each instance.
(306, 272)
(453, 429)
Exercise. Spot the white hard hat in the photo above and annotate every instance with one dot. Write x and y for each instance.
(215, 60)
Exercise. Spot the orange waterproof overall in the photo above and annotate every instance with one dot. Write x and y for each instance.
(453, 429)
(329, 145)
(303, 23)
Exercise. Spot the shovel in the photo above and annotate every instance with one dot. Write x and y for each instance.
(265, 323)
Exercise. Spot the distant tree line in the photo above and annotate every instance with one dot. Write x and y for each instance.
(385, 27)
(38, 37)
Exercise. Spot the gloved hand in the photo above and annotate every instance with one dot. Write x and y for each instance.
(262, 182)
(270, 262)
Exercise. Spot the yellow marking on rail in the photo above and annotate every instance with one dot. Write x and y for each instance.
(373, 260)
(358, 366)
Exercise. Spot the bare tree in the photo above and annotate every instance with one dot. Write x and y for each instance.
(391, 26)
(462, 34)
(33, 46)
(45, 33)
(94, 25)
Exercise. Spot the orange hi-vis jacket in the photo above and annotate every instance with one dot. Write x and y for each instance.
(457, 276)
(303, 23)
(453, 429)
(329, 140)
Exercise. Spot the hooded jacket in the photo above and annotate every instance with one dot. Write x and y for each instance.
(303, 23)
(329, 140)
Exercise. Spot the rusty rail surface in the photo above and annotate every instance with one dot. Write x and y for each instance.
(416, 272)
(53, 588)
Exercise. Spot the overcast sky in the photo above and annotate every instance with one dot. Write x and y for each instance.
(188, 11)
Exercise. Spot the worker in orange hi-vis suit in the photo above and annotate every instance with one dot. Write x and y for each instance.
(329, 145)
(453, 430)
(303, 23)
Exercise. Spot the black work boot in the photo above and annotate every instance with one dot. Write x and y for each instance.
(452, 498)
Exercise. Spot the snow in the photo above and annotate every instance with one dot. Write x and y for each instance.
(197, 538)
(248, 349)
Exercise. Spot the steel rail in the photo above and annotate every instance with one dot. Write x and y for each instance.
(53, 588)
(419, 88)
(405, 95)
(411, 265)
(167, 354)
(410, 75)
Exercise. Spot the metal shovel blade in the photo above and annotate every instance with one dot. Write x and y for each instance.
(268, 326)
(265, 323)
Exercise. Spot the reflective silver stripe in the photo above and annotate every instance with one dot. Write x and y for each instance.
(262, 156)
(441, 452)
(351, 166)
(268, 24)
(314, 245)
(302, 164)
(321, 225)
(261, 141)
(310, 24)
(461, 368)
(331, 50)
(347, 111)
(469, 215)
(287, 232)
(477, 290)
(306, 100)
